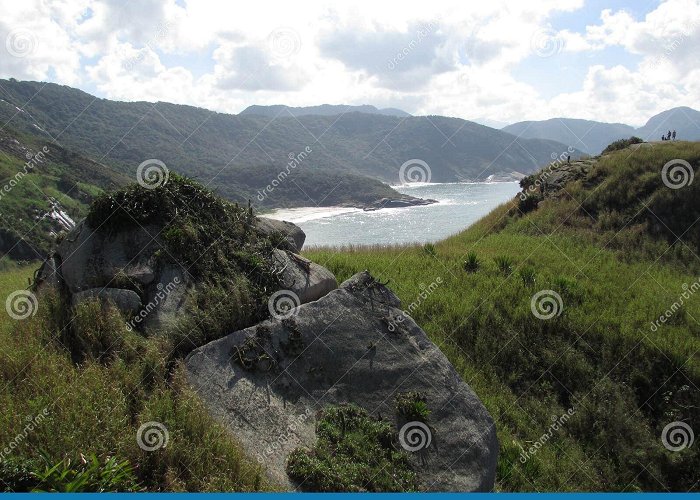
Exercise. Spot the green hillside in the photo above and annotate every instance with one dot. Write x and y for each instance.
(36, 175)
(620, 249)
(235, 154)
(581, 392)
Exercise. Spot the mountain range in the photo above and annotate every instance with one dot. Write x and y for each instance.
(592, 136)
(322, 110)
(352, 157)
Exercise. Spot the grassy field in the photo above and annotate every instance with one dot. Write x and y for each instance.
(623, 379)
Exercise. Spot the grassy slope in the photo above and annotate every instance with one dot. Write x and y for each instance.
(74, 181)
(600, 356)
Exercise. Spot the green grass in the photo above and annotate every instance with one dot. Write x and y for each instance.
(95, 408)
(354, 452)
(598, 358)
(600, 355)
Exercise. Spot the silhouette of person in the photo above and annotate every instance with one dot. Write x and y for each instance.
(663, 137)
(674, 135)
(668, 138)
(568, 159)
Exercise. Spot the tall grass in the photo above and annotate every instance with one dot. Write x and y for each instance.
(600, 356)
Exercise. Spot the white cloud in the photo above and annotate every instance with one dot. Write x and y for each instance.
(441, 57)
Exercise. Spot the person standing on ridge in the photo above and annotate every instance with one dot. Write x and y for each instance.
(674, 135)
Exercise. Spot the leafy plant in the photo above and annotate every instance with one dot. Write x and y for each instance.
(87, 474)
(429, 249)
(412, 406)
(354, 452)
(471, 265)
(504, 264)
(527, 275)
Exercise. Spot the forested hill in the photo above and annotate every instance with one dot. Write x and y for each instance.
(239, 155)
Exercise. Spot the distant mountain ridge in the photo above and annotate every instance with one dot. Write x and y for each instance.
(349, 158)
(320, 110)
(592, 136)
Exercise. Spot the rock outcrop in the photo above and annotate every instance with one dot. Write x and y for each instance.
(127, 267)
(354, 345)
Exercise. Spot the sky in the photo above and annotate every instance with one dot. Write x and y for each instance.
(495, 62)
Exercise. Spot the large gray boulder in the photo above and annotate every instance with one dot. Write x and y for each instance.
(292, 233)
(354, 345)
(308, 280)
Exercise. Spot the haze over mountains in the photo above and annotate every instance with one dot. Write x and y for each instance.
(322, 110)
(240, 155)
(592, 136)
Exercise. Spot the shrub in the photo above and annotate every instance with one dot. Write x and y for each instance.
(622, 144)
(429, 249)
(412, 406)
(504, 264)
(87, 475)
(527, 275)
(354, 452)
(471, 265)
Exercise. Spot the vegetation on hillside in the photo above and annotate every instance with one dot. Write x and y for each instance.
(608, 247)
(35, 174)
(238, 155)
